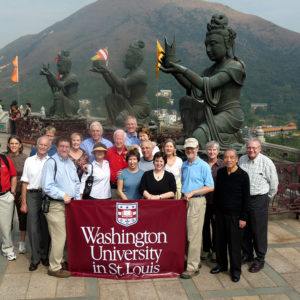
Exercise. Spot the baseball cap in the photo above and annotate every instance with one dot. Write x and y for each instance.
(191, 143)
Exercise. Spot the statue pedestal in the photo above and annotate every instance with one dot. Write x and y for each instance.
(31, 129)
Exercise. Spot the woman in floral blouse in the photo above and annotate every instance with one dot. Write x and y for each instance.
(77, 155)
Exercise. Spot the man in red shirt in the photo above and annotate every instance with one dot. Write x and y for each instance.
(8, 183)
(116, 158)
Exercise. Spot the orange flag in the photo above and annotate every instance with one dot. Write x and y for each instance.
(15, 74)
(160, 52)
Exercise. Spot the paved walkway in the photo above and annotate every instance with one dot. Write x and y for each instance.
(280, 279)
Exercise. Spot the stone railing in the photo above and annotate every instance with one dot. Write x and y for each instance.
(287, 199)
(281, 153)
(4, 120)
(83, 113)
(278, 153)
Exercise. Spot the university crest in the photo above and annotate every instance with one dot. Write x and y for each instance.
(127, 213)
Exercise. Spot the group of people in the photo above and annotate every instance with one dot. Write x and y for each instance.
(14, 114)
(227, 200)
(236, 214)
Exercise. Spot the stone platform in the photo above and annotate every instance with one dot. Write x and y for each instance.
(279, 280)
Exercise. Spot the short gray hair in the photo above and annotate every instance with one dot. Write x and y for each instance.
(131, 117)
(212, 144)
(96, 123)
(41, 137)
(119, 131)
(254, 140)
(147, 141)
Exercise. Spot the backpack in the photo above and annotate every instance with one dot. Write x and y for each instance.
(46, 199)
(55, 166)
(5, 160)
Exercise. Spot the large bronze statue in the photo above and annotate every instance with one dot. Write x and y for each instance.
(131, 89)
(215, 113)
(64, 88)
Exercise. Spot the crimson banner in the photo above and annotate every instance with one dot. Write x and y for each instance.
(117, 239)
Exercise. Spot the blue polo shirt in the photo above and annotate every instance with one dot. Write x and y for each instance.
(88, 144)
(195, 175)
(132, 139)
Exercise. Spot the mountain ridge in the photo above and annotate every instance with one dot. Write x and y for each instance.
(268, 50)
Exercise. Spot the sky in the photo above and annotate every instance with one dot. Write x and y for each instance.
(22, 17)
(284, 13)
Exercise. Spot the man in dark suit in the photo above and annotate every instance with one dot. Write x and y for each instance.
(232, 191)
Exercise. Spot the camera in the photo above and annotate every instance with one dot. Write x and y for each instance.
(45, 204)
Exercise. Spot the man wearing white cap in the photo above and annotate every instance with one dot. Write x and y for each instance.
(196, 182)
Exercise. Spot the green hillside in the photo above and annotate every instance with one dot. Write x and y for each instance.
(271, 53)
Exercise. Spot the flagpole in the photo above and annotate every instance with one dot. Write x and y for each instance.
(18, 93)
(157, 81)
(15, 75)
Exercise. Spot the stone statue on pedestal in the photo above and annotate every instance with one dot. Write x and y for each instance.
(128, 95)
(64, 88)
(211, 109)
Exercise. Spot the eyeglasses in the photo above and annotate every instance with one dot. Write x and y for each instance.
(252, 148)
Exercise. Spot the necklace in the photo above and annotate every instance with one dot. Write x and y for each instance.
(159, 175)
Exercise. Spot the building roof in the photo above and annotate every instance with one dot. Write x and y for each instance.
(291, 126)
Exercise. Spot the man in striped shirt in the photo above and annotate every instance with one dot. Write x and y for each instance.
(263, 186)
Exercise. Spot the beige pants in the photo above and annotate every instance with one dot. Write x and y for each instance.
(178, 189)
(6, 213)
(56, 218)
(195, 220)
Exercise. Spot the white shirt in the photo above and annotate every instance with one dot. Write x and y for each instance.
(101, 185)
(262, 175)
(32, 172)
(175, 169)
